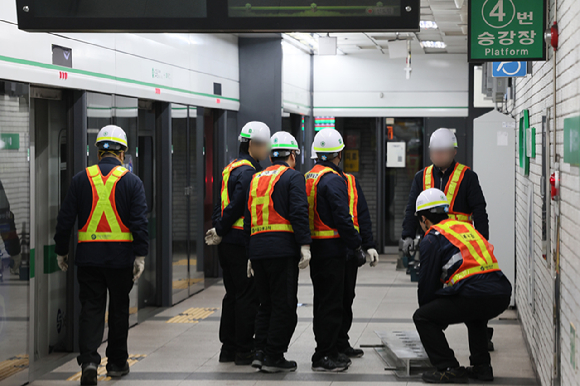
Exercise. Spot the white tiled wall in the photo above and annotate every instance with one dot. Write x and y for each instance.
(535, 93)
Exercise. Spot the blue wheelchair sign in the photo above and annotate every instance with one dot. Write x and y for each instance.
(509, 69)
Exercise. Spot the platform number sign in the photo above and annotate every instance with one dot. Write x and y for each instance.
(507, 30)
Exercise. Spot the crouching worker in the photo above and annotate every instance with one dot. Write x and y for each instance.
(276, 222)
(459, 282)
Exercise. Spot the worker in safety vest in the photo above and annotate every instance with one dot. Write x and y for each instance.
(333, 232)
(361, 218)
(110, 205)
(276, 225)
(461, 187)
(240, 303)
(459, 282)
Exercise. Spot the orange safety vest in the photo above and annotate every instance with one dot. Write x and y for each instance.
(352, 199)
(475, 251)
(260, 203)
(318, 229)
(225, 197)
(451, 189)
(104, 223)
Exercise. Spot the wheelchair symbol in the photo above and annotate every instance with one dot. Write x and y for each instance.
(505, 70)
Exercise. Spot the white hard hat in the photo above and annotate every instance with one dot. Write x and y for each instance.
(433, 199)
(443, 139)
(328, 141)
(111, 137)
(313, 154)
(257, 131)
(282, 143)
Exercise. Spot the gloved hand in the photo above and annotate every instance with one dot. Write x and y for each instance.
(212, 238)
(408, 246)
(138, 267)
(62, 262)
(360, 256)
(304, 256)
(250, 271)
(372, 257)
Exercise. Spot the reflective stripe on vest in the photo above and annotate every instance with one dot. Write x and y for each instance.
(451, 189)
(260, 203)
(104, 223)
(476, 251)
(353, 200)
(239, 224)
(318, 229)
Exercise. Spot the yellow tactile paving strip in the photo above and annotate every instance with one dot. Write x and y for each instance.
(192, 315)
(184, 262)
(184, 283)
(102, 369)
(13, 365)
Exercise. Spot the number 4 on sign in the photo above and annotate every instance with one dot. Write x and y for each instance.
(497, 11)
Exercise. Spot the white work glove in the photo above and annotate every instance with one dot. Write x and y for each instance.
(372, 257)
(62, 262)
(304, 256)
(408, 246)
(250, 271)
(138, 267)
(212, 238)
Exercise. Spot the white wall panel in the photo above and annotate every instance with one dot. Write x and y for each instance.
(295, 79)
(179, 68)
(352, 85)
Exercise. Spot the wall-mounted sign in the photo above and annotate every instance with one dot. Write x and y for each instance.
(507, 30)
(396, 154)
(351, 161)
(509, 69)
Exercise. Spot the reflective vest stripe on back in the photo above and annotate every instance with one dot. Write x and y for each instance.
(260, 203)
(318, 229)
(104, 223)
(225, 197)
(476, 251)
(353, 200)
(451, 189)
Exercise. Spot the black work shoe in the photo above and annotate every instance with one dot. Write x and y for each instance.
(89, 377)
(353, 352)
(258, 359)
(480, 372)
(227, 356)
(342, 358)
(244, 358)
(456, 375)
(117, 371)
(490, 346)
(328, 364)
(278, 365)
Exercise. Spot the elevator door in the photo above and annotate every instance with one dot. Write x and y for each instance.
(52, 323)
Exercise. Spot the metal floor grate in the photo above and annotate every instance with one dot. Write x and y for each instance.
(403, 353)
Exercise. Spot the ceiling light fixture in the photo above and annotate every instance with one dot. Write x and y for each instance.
(427, 24)
(433, 44)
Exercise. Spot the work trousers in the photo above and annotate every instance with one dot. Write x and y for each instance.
(240, 304)
(434, 317)
(94, 282)
(350, 274)
(327, 274)
(277, 286)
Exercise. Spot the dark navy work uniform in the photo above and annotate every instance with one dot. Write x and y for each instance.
(240, 303)
(103, 266)
(473, 301)
(275, 257)
(327, 268)
(351, 268)
(469, 200)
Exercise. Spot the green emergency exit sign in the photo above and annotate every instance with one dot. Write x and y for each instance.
(507, 30)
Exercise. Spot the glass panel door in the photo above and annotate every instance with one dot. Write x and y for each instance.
(15, 216)
(186, 278)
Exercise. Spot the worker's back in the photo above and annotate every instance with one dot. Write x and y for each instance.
(131, 206)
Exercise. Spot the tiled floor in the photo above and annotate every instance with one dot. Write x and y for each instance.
(186, 354)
